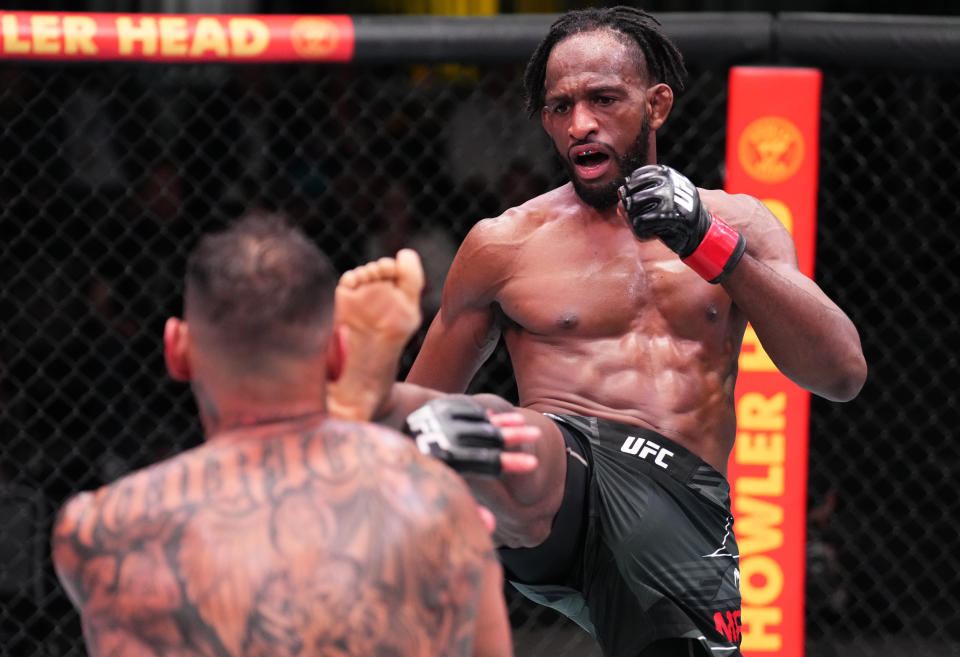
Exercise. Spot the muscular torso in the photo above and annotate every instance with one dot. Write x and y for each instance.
(330, 539)
(598, 323)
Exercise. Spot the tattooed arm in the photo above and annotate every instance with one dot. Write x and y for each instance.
(66, 560)
(91, 578)
(489, 629)
(492, 631)
(118, 553)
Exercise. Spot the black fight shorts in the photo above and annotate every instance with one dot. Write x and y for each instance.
(642, 549)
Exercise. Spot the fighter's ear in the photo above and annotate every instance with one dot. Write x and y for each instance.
(176, 341)
(659, 104)
(336, 353)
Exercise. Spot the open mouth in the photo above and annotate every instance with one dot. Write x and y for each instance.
(590, 162)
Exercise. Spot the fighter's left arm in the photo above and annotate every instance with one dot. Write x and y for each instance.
(809, 338)
(735, 241)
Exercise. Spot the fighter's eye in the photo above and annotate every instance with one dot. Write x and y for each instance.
(558, 107)
(604, 100)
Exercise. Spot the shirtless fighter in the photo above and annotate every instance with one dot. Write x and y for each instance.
(287, 532)
(624, 323)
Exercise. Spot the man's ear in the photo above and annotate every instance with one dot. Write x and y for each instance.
(336, 353)
(176, 342)
(659, 104)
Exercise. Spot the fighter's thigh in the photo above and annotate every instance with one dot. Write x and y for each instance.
(551, 451)
(532, 499)
(550, 448)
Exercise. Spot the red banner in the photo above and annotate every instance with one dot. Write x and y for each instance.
(772, 153)
(175, 37)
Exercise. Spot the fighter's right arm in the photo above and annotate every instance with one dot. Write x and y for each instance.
(89, 579)
(464, 332)
(64, 546)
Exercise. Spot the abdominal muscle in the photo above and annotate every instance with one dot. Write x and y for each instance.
(668, 385)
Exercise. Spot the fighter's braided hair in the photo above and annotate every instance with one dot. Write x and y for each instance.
(663, 59)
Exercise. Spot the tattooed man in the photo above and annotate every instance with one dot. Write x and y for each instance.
(287, 532)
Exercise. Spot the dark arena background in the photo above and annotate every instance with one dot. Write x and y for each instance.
(111, 170)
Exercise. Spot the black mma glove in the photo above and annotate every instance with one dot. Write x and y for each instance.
(661, 202)
(458, 432)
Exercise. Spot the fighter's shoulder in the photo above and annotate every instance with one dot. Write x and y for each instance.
(436, 501)
(87, 507)
(515, 225)
(393, 446)
(70, 513)
(77, 532)
(382, 445)
(82, 504)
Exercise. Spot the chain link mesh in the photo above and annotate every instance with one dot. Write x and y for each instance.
(111, 172)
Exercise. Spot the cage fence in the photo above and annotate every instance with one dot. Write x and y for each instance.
(112, 171)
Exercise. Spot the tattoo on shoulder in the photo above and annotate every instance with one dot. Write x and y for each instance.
(340, 536)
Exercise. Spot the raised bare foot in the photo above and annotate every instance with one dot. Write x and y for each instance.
(377, 310)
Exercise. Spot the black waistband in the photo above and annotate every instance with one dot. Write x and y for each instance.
(654, 449)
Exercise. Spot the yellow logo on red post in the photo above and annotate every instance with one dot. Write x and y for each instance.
(781, 211)
(314, 38)
(771, 149)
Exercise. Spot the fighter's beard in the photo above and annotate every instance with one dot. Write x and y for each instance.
(604, 196)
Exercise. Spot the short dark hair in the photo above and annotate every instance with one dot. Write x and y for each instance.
(663, 60)
(260, 287)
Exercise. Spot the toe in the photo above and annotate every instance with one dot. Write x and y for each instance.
(367, 273)
(409, 272)
(349, 279)
(386, 268)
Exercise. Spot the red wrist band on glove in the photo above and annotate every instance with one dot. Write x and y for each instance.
(718, 252)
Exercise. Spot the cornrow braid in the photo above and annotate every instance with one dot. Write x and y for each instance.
(664, 61)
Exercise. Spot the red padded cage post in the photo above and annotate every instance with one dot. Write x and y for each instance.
(772, 153)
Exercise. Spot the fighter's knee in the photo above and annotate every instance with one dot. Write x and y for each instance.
(539, 531)
(493, 402)
(525, 533)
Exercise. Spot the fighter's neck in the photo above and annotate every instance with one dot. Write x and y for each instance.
(243, 418)
(587, 210)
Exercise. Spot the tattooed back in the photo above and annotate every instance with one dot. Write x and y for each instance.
(323, 539)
